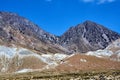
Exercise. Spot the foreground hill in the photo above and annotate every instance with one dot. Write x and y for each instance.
(22, 60)
(68, 67)
(80, 62)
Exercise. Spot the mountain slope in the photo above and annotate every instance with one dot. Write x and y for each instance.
(19, 31)
(79, 62)
(24, 26)
(25, 47)
(18, 60)
(88, 36)
(115, 48)
(84, 37)
(22, 60)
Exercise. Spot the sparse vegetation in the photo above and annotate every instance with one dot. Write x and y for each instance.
(81, 75)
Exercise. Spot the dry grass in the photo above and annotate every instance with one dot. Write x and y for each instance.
(95, 75)
(31, 62)
(17, 63)
(71, 68)
(92, 63)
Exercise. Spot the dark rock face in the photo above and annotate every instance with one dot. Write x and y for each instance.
(88, 36)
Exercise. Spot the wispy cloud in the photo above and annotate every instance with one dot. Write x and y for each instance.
(98, 1)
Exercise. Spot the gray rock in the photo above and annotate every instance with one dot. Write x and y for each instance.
(88, 36)
(84, 37)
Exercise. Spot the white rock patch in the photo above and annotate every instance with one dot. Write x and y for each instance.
(83, 60)
(24, 71)
(100, 53)
(105, 37)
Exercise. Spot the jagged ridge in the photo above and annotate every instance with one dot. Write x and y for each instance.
(17, 30)
(88, 36)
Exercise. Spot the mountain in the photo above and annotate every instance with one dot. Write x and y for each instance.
(25, 47)
(88, 36)
(19, 31)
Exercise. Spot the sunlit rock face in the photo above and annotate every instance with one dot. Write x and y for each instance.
(88, 36)
(25, 47)
(17, 30)
(112, 51)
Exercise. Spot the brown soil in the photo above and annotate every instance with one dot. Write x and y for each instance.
(92, 63)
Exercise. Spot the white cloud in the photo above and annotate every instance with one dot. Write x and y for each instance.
(98, 1)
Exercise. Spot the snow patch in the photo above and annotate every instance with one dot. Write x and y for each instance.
(23, 51)
(100, 53)
(59, 56)
(83, 60)
(24, 71)
(71, 55)
(105, 37)
(86, 41)
(46, 59)
(0, 17)
(9, 52)
(52, 59)
(115, 44)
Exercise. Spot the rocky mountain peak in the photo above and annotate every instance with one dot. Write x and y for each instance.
(88, 22)
(88, 36)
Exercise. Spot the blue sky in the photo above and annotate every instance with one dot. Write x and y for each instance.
(56, 16)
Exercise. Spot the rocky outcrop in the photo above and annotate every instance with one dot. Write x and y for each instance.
(88, 36)
(19, 31)
(13, 21)
(25, 47)
(112, 51)
(84, 37)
